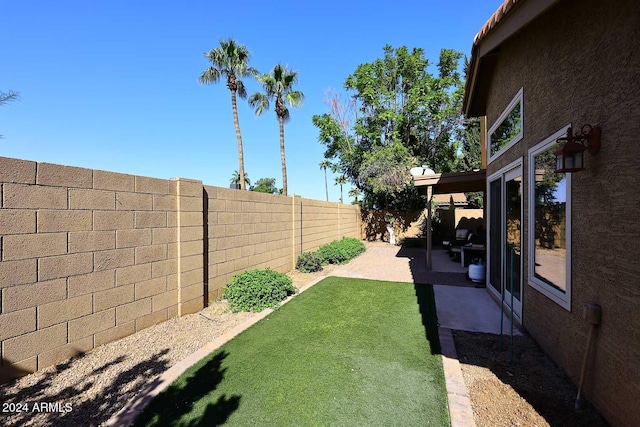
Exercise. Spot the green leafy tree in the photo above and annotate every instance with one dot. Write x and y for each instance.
(404, 116)
(471, 157)
(266, 185)
(384, 171)
(6, 97)
(235, 178)
(231, 61)
(278, 87)
(324, 165)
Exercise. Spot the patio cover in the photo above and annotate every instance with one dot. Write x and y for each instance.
(453, 182)
(442, 183)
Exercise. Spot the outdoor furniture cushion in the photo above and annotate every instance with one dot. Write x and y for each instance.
(462, 234)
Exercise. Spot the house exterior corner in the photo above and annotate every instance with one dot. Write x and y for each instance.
(567, 240)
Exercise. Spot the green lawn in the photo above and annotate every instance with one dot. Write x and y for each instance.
(347, 352)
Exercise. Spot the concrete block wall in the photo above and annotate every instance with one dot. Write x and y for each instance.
(321, 222)
(245, 230)
(87, 257)
(190, 246)
(249, 230)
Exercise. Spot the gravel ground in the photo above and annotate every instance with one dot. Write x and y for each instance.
(532, 391)
(98, 384)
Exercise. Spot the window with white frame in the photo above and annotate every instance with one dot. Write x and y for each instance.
(507, 130)
(549, 223)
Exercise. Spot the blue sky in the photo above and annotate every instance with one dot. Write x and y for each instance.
(113, 85)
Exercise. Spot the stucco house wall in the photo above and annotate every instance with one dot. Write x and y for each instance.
(578, 63)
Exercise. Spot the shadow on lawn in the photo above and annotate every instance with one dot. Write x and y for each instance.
(179, 399)
(71, 404)
(423, 281)
(427, 304)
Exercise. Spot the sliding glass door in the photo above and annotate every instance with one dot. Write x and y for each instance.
(505, 236)
(495, 234)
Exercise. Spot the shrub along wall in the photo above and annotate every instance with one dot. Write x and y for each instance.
(88, 256)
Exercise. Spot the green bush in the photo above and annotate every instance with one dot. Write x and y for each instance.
(309, 262)
(255, 290)
(331, 254)
(351, 247)
(340, 251)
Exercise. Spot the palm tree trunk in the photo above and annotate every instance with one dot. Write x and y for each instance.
(236, 123)
(326, 186)
(282, 158)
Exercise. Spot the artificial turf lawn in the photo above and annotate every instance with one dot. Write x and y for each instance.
(346, 352)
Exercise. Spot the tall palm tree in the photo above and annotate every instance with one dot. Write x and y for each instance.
(324, 165)
(341, 180)
(278, 86)
(231, 60)
(235, 178)
(355, 192)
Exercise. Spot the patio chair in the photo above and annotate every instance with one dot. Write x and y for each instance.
(461, 238)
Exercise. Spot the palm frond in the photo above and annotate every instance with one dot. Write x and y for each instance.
(230, 58)
(286, 116)
(278, 72)
(242, 91)
(209, 76)
(8, 96)
(295, 98)
(248, 72)
(259, 102)
(268, 84)
(289, 79)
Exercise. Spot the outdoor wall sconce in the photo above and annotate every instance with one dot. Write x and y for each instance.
(570, 157)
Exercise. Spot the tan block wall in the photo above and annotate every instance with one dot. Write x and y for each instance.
(190, 249)
(88, 257)
(324, 222)
(249, 230)
(85, 259)
(582, 70)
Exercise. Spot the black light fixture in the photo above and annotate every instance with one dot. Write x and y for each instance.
(570, 157)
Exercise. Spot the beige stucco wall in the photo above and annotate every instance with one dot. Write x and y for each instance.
(88, 256)
(578, 64)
